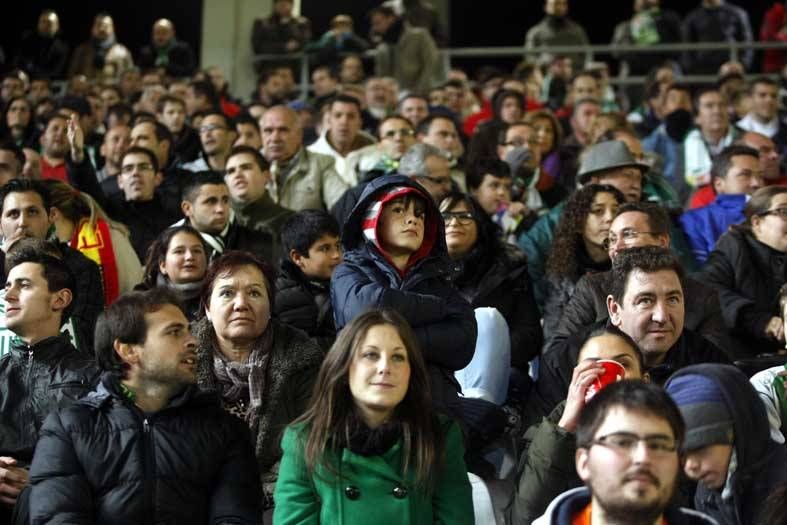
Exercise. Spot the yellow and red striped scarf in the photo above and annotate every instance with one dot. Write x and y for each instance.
(95, 243)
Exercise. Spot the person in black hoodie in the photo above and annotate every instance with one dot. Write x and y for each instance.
(396, 257)
(310, 242)
(728, 447)
(647, 303)
(42, 371)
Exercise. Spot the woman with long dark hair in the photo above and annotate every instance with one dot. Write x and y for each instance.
(18, 124)
(579, 246)
(370, 449)
(492, 273)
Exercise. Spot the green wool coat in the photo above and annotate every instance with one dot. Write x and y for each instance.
(370, 489)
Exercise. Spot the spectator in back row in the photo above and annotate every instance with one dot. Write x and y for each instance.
(216, 136)
(165, 53)
(43, 53)
(282, 32)
(300, 178)
(735, 176)
(556, 29)
(102, 55)
(171, 111)
(343, 135)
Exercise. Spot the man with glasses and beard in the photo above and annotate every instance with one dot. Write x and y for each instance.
(627, 455)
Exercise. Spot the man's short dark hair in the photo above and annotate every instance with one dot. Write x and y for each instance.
(648, 259)
(393, 116)
(305, 228)
(206, 89)
(382, 10)
(16, 151)
(245, 118)
(169, 99)
(266, 75)
(222, 116)
(723, 161)
(426, 124)
(699, 92)
(199, 179)
(162, 132)
(344, 99)
(501, 135)
(480, 169)
(330, 71)
(77, 104)
(256, 155)
(120, 111)
(632, 395)
(25, 186)
(768, 81)
(56, 273)
(144, 151)
(124, 321)
(582, 102)
(658, 218)
(412, 95)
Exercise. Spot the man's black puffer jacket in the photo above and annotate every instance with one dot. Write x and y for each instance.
(103, 461)
(34, 381)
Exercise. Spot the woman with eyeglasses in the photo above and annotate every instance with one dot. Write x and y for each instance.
(579, 246)
(492, 273)
(748, 267)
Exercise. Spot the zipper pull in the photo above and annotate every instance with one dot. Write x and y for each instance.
(145, 426)
(30, 356)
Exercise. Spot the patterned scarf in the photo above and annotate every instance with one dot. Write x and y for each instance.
(239, 381)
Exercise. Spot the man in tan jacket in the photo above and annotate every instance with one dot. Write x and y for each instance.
(301, 179)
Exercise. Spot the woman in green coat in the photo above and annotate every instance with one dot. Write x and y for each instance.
(370, 449)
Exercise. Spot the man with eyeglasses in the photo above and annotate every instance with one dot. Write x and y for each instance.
(627, 456)
(216, 136)
(141, 208)
(735, 175)
(396, 134)
(440, 131)
(429, 167)
(646, 300)
(639, 224)
(728, 448)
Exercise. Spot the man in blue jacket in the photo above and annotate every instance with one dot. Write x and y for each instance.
(735, 175)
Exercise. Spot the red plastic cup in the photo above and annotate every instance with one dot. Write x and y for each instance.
(613, 372)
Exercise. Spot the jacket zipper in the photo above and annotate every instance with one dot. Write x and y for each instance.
(150, 467)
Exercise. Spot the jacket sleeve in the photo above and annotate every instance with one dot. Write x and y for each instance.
(452, 500)
(236, 493)
(558, 294)
(527, 336)
(59, 491)
(82, 176)
(333, 186)
(549, 471)
(692, 227)
(738, 311)
(295, 496)
(444, 323)
(578, 313)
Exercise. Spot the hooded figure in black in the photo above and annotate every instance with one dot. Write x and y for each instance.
(721, 407)
(442, 320)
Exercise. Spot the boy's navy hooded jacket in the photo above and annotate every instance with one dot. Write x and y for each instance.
(443, 322)
(761, 462)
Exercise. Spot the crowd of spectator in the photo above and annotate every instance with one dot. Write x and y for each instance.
(403, 296)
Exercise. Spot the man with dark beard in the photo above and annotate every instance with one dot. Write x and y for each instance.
(627, 454)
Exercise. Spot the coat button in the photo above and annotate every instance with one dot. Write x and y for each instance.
(399, 492)
(352, 492)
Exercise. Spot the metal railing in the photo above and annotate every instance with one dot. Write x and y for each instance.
(590, 52)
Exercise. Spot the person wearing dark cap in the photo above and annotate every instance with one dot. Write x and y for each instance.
(728, 448)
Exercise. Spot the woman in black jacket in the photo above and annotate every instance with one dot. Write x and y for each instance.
(579, 246)
(492, 273)
(748, 267)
